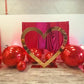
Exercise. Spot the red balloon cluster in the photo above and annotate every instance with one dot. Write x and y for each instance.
(13, 55)
(17, 56)
(73, 55)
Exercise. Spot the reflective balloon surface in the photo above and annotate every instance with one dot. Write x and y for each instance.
(21, 66)
(12, 55)
(73, 55)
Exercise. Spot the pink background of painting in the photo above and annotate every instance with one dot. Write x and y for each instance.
(34, 40)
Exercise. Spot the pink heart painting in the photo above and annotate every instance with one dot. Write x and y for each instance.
(53, 40)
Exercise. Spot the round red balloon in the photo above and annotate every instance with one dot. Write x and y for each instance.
(73, 55)
(49, 55)
(12, 55)
(21, 66)
(36, 52)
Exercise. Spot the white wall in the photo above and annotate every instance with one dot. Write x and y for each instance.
(42, 6)
(11, 26)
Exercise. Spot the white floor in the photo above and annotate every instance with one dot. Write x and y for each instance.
(42, 6)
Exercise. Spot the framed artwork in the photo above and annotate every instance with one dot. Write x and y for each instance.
(52, 42)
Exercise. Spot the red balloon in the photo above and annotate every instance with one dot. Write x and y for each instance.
(37, 53)
(72, 55)
(49, 55)
(21, 66)
(26, 60)
(12, 55)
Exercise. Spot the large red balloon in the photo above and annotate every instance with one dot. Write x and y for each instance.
(12, 55)
(73, 55)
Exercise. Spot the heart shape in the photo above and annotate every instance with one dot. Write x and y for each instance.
(44, 35)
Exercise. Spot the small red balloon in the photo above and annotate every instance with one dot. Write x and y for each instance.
(26, 60)
(37, 53)
(12, 55)
(21, 66)
(49, 55)
(73, 55)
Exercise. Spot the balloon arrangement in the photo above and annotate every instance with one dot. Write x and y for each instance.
(71, 55)
(15, 56)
